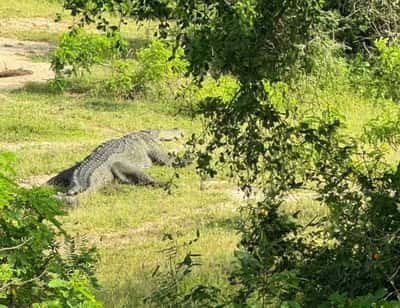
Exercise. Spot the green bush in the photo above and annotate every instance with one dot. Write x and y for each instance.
(349, 253)
(387, 71)
(159, 62)
(360, 23)
(169, 279)
(40, 265)
(79, 50)
(157, 67)
(380, 75)
(123, 82)
(192, 94)
(384, 128)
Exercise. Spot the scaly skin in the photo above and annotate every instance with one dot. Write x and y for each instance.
(122, 159)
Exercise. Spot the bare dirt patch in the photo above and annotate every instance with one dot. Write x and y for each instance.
(36, 180)
(20, 145)
(39, 24)
(256, 194)
(14, 56)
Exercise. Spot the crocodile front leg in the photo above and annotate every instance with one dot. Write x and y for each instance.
(160, 157)
(129, 174)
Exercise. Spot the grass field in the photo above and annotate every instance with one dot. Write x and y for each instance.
(125, 222)
(50, 131)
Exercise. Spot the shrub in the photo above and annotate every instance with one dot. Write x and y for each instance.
(380, 75)
(384, 128)
(387, 71)
(159, 62)
(192, 94)
(79, 50)
(40, 265)
(284, 261)
(157, 67)
(123, 82)
(362, 22)
(180, 263)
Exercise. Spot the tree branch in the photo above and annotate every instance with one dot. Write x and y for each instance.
(15, 247)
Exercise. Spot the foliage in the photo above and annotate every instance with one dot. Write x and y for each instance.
(362, 76)
(370, 300)
(379, 76)
(158, 62)
(79, 50)
(360, 23)
(40, 264)
(123, 81)
(384, 128)
(361, 193)
(192, 94)
(326, 69)
(153, 67)
(167, 292)
(359, 239)
(387, 72)
(276, 32)
(266, 145)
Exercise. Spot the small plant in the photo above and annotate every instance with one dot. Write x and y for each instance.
(156, 68)
(380, 75)
(123, 82)
(384, 128)
(387, 72)
(79, 50)
(40, 265)
(159, 62)
(168, 291)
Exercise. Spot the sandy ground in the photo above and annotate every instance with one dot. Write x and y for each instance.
(39, 24)
(14, 54)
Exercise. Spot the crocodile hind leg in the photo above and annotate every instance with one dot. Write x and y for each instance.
(129, 174)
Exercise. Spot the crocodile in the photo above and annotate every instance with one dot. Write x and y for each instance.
(122, 159)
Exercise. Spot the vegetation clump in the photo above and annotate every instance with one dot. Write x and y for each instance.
(273, 75)
(40, 265)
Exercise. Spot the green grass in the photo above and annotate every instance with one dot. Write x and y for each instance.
(31, 35)
(50, 131)
(29, 8)
(127, 292)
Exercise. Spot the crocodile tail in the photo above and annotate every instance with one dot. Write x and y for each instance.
(64, 178)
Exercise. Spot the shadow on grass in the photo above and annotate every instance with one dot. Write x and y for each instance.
(231, 223)
(136, 43)
(73, 86)
(33, 87)
(105, 105)
(129, 293)
(40, 57)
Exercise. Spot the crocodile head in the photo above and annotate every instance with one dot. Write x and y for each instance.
(166, 134)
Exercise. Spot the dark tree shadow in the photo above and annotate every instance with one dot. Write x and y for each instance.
(105, 105)
(231, 223)
(34, 87)
(135, 44)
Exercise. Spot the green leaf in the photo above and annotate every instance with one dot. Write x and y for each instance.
(58, 283)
